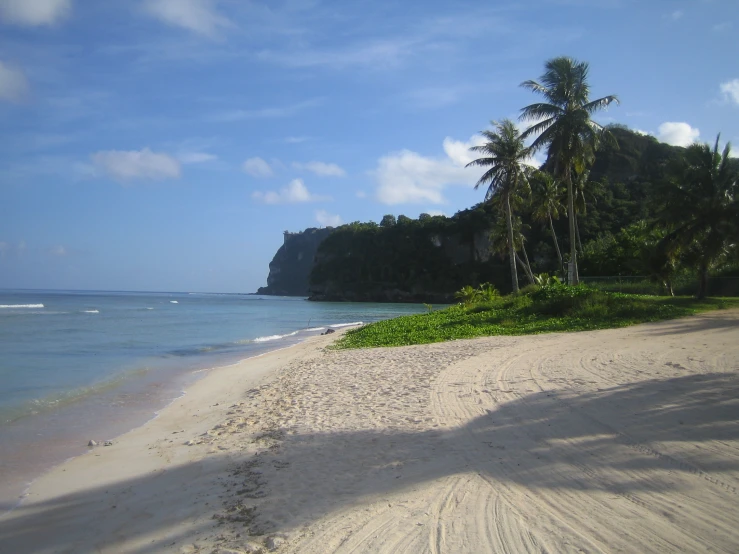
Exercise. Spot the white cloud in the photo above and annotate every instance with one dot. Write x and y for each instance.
(136, 164)
(13, 84)
(34, 12)
(642, 132)
(677, 14)
(326, 219)
(730, 89)
(677, 133)
(361, 194)
(257, 167)
(199, 16)
(321, 169)
(58, 250)
(196, 157)
(407, 177)
(459, 152)
(721, 27)
(293, 193)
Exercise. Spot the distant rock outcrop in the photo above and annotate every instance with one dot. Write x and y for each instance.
(292, 264)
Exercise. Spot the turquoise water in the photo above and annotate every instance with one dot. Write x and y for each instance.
(79, 365)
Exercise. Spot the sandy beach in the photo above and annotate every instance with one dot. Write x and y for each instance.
(622, 440)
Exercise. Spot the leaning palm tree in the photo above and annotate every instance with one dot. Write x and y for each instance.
(702, 208)
(547, 204)
(501, 244)
(505, 154)
(563, 124)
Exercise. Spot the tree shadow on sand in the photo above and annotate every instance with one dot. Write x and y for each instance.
(540, 441)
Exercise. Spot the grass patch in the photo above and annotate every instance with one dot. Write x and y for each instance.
(545, 310)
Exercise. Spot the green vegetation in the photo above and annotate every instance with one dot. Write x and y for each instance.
(505, 154)
(563, 125)
(613, 206)
(535, 310)
(416, 260)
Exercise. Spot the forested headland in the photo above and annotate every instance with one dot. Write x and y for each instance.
(609, 206)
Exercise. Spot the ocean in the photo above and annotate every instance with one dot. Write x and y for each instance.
(78, 365)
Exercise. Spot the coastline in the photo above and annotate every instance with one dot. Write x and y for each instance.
(183, 419)
(41, 450)
(597, 440)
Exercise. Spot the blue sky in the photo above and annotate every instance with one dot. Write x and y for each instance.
(167, 144)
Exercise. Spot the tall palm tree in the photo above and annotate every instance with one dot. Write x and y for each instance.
(563, 124)
(547, 204)
(505, 154)
(702, 208)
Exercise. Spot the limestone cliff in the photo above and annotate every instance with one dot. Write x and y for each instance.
(292, 264)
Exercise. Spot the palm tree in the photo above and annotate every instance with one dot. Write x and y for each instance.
(500, 242)
(505, 153)
(547, 206)
(580, 187)
(702, 208)
(563, 124)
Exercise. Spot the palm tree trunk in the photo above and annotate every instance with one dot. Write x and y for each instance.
(526, 269)
(702, 280)
(577, 232)
(529, 273)
(512, 249)
(556, 243)
(572, 274)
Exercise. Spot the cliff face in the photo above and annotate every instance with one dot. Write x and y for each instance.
(411, 260)
(428, 269)
(292, 264)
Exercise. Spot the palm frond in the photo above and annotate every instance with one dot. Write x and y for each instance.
(601, 103)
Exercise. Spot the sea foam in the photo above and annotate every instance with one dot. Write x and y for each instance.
(337, 325)
(274, 337)
(12, 306)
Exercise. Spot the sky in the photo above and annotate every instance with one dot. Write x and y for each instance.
(165, 145)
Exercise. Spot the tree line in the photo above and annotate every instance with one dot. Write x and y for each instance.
(693, 219)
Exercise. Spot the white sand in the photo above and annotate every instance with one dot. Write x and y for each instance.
(619, 440)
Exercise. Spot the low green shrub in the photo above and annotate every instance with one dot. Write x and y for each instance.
(551, 308)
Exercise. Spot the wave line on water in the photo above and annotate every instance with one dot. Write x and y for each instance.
(274, 337)
(337, 325)
(14, 306)
(35, 406)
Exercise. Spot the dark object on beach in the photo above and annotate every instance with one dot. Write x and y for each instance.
(92, 443)
(328, 331)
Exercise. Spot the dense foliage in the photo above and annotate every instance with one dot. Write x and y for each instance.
(620, 202)
(407, 259)
(617, 230)
(536, 310)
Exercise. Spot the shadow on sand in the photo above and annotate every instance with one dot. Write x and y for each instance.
(539, 441)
